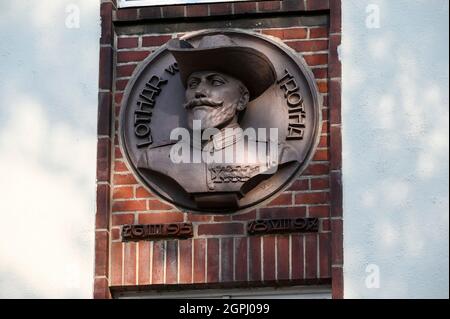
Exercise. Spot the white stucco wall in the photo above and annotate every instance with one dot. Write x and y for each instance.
(48, 126)
(395, 148)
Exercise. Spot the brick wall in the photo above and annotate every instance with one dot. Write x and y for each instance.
(220, 253)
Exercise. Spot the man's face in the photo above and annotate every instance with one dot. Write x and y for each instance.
(213, 98)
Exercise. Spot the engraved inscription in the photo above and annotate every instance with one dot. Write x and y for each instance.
(294, 101)
(156, 231)
(233, 174)
(275, 226)
(145, 104)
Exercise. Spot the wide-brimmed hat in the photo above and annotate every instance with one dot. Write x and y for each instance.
(220, 53)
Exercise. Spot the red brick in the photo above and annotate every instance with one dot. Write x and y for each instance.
(269, 258)
(311, 256)
(325, 102)
(173, 11)
(316, 59)
(127, 43)
(297, 262)
(144, 263)
(131, 56)
(240, 258)
(123, 192)
(254, 259)
(124, 71)
(101, 288)
(222, 218)
(171, 262)
(191, 217)
(334, 63)
(335, 148)
(299, 185)
(160, 218)
(336, 242)
(141, 192)
(336, 193)
(269, 6)
(122, 219)
(121, 85)
(227, 260)
(116, 264)
(158, 262)
(335, 16)
(283, 257)
(245, 216)
(115, 234)
(150, 13)
(322, 86)
(124, 179)
(199, 10)
(105, 68)
(321, 155)
(221, 229)
(101, 253)
(325, 126)
(282, 212)
(103, 204)
(335, 101)
(199, 260)
(293, 5)
(244, 7)
(320, 73)
(104, 113)
(326, 224)
(323, 141)
(185, 261)
(155, 40)
(158, 205)
(127, 14)
(319, 32)
(311, 198)
(120, 166)
(317, 169)
(278, 33)
(317, 5)
(337, 283)
(103, 159)
(129, 271)
(212, 269)
(220, 9)
(320, 183)
(129, 205)
(117, 153)
(295, 33)
(283, 199)
(324, 255)
(319, 211)
(118, 96)
(106, 10)
(309, 46)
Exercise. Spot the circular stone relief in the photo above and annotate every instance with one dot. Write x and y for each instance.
(220, 121)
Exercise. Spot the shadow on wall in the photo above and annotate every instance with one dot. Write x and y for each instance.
(48, 84)
(395, 148)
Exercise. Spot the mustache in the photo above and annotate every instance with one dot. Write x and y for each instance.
(202, 101)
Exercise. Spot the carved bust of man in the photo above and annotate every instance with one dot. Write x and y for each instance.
(220, 78)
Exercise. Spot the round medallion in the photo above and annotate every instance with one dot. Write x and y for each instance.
(220, 121)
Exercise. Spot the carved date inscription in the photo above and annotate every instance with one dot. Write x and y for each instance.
(276, 226)
(156, 231)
